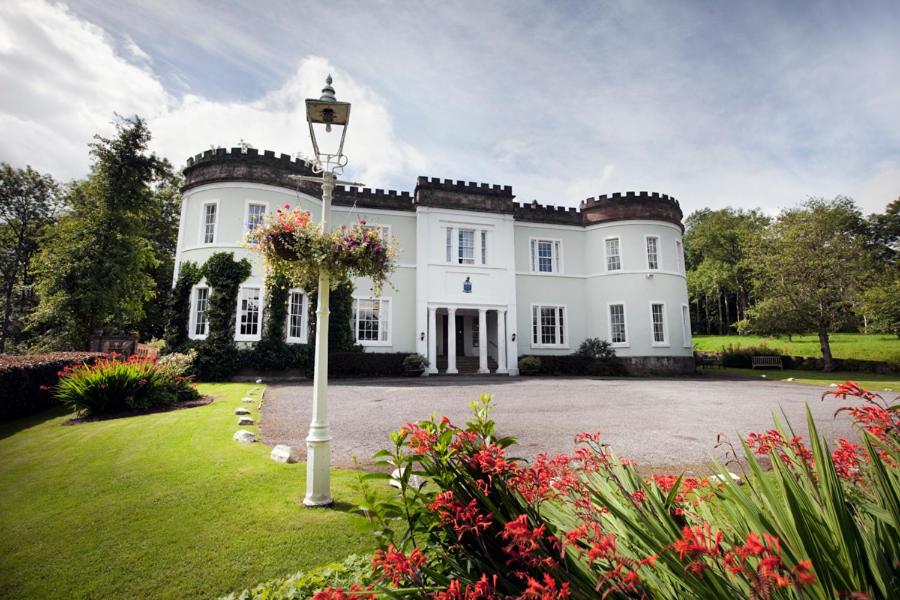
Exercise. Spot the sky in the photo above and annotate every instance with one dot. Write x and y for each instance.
(743, 104)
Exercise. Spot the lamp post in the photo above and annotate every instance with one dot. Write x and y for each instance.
(324, 116)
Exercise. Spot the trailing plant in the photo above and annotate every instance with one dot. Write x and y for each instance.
(178, 312)
(112, 384)
(224, 275)
(277, 292)
(472, 522)
(295, 247)
(340, 331)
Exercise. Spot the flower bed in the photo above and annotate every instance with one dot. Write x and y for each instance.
(112, 385)
(26, 381)
(296, 248)
(824, 523)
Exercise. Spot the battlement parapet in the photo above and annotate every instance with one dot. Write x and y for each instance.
(246, 164)
(631, 206)
(541, 213)
(369, 198)
(462, 195)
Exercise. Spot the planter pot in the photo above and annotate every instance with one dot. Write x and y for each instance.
(283, 246)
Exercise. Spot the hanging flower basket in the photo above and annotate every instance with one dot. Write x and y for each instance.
(297, 248)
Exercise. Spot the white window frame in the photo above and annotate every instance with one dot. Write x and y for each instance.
(606, 255)
(384, 231)
(679, 256)
(459, 247)
(609, 328)
(647, 239)
(247, 206)
(484, 246)
(687, 338)
(202, 236)
(564, 329)
(665, 325)
(192, 321)
(450, 245)
(304, 318)
(556, 255)
(238, 336)
(381, 320)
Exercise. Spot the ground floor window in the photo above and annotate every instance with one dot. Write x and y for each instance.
(201, 306)
(658, 318)
(476, 327)
(298, 309)
(617, 334)
(372, 321)
(686, 325)
(548, 325)
(249, 312)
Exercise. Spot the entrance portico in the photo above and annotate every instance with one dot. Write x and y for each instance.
(457, 335)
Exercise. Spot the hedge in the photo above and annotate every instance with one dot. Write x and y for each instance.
(574, 364)
(26, 381)
(366, 364)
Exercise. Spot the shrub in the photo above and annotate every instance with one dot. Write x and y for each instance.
(741, 356)
(216, 361)
(415, 362)
(596, 349)
(178, 311)
(366, 364)
(179, 363)
(822, 524)
(571, 364)
(352, 570)
(276, 355)
(111, 385)
(26, 381)
(529, 365)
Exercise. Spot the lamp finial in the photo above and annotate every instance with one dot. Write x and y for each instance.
(328, 91)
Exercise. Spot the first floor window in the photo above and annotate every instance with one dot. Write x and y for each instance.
(255, 214)
(297, 311)
(679, 257)
(449, 244)
(548, 325)
(209, 223)
(484, 247)
(201, 305)
(686, 325)
(466, 246)
(613, 257)
(371, 318)
(652, 253)
(545, 256)
(249, 313)
(617, 324)
(657, 314)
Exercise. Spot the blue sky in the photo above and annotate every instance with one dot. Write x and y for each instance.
(717, 103)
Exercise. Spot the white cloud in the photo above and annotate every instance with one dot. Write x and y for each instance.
(61, 81)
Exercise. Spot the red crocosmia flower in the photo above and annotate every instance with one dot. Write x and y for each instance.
(639, 495)
(698, 541)
(483, 589)
(604, 547)
(420, 441)
(462, 518)
(490, 460)
(546, 589)
(524, 544)
(395, 566)
(803, 574)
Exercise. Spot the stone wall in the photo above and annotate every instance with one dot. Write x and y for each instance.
(658, 365)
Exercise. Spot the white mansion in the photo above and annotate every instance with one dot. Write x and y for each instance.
(481, 280)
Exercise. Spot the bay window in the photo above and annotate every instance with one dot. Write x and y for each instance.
(613, 255)
(249, 321)
(652, 252)
(658, 320)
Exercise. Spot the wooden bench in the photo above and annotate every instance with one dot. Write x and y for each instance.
(146, 351)
(765, 362)
(707, 360)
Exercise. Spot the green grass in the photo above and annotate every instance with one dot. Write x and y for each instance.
(164, 505)
(871, 381)
(843, 345)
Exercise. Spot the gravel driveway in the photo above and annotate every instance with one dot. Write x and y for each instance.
(658, 422)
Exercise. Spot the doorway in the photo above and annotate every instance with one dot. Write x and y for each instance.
(460, 336)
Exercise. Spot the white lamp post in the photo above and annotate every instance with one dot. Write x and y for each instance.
(328, 121)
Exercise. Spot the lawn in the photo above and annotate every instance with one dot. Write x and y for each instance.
(164, 505)
(843, 345)
(872, 381)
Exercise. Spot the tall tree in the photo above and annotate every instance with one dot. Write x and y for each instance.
(94, 271)
(815, 260)
(29, 202)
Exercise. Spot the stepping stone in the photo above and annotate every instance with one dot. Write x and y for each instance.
(245, 421)
(253, 392)
(414, 480)
(241, 411)
(790, 378)
(244, 436)
(246, 399)
(718, 478)
(282, 454)
(259, 381)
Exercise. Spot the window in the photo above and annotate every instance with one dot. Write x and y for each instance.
(249, 314)
(297, 317)
(652, 252)
(467, 246)
(476, 327)
(484, 247)
(548, 325)
(613, 257)
(679, 256)
(372, 320)
(201, 318)
(209, 223)
(686, 325)
(658, 319)
(545, 256)
(617, 333)
(449, 244)
(255, 214)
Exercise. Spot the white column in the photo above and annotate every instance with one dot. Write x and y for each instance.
(432, 340)
(451, 341)
(501, 342)
(482, 341)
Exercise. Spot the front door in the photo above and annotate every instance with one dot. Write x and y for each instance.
(460, 337)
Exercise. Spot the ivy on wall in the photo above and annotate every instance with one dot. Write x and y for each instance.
(277, 290)
(217, 356)
(340, 332)
(178, 311)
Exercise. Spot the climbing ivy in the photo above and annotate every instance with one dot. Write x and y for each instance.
(178, 311)
(340, 332)
(217, 356)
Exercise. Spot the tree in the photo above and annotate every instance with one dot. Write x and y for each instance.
(881, 307)
(885, 230)
(29, 202)
(815, 260)
(94, 271)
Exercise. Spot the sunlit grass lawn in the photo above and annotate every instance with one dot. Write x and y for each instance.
(843, 345)
(871, 381)
(164, 505)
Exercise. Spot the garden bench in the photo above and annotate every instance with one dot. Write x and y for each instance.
(706, 360)
(763, 362)
(146, 351)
